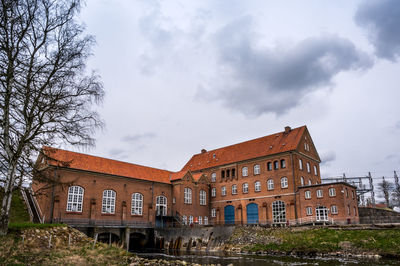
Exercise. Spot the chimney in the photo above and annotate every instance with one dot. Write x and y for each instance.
(203, 150)
(287, 129)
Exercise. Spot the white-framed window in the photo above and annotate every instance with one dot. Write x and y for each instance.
(334, 209)
(184, 219)
(187, 195)
(269, 166)
(270, 184)
(223, 191)
(319, 193)
(276, 165)
(213, 213)
(203, 197)
(75, 199)
(283, 163)
(234, 189)
(213, 192)
(302, 181)
(137, 204)
(309, 182)
(284, 182)
(308, 168)
(257, 186)
(200, 220)
(307, 194)
(315, 170)
(161, 206)
(279, 212)
(245, 171)
(213, 177)
(245, 188)
(108, 202)
(332, 192)
(300, 164)
(257, 169)
(190, 219)
(205, 220)
(309, 211)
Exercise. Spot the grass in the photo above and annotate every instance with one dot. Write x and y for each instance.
(19, 226)
(385, 242)
(18, 211)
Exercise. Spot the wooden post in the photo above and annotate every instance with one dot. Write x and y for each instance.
(95, 240)
(69, 240)
(50, 242)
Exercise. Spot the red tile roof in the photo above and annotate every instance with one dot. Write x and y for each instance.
(91, 163)
(177, 175)
(268, 145)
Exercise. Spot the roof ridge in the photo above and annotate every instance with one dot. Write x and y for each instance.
(249, 140)
(104, 158)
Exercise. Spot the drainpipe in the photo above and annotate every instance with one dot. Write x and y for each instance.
(294, 188)
(52, 197)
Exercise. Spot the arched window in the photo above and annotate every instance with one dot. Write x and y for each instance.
(300, 164)
(284, 182)
(190, 219)
(307, 194)
(108, 203)
(257, 186)
(75, 199)
(269, 166)
(283, 163)
(319, 193)
(276, 165)
(257, 169)
(200, 220)
(332, 192)
(245, 188)
(213, 177)
(308, 168)
(245, 171)
(309, 211)
(203, 197)
(270, 184)
(161, 206)
(137, 204)
(213, 213)
(334, 209)
(309, 182)
(187, 196)
(205, 220)
(279, 212)
(213, 192)
(315, 170)
(302, 181)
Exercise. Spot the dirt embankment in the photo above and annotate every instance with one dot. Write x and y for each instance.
(357, 242)
(62, 245)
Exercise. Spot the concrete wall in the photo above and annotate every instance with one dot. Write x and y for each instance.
(370, 215)
(197, 238)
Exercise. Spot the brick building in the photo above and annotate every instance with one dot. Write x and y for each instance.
(270, 180)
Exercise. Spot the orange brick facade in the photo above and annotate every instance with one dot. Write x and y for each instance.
(260, 181)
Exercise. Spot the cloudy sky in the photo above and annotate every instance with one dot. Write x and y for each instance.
(185, 75)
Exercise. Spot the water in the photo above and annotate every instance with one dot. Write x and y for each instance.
(202, 257)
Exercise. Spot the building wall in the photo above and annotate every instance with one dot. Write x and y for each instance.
(194, 208)
(341, 200)
(94, 185)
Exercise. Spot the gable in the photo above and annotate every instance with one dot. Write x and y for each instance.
(306, 146)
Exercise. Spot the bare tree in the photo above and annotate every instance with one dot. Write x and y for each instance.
(386, 189)
(46, 95)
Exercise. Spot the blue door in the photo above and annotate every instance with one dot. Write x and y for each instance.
(229, 213)
(252, 213)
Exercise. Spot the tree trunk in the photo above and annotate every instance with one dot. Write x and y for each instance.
(5, 211)
(6, 203)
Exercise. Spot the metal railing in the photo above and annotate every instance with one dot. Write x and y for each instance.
(105, 223)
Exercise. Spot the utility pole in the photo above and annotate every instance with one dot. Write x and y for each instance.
(371, 184)
(396, 180)
(362, 200)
